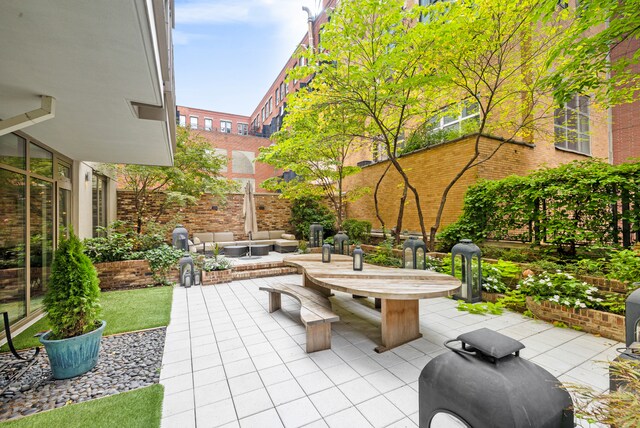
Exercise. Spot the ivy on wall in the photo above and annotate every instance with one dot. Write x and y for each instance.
(582, 202)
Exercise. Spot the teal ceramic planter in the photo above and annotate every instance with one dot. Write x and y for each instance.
(74, 356)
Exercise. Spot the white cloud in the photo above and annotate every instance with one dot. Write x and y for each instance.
(184, 38)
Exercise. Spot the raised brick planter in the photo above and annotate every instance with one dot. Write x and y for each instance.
(605, 324)
(127, 274)
(216, 277)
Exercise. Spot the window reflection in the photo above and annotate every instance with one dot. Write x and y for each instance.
(41, 234)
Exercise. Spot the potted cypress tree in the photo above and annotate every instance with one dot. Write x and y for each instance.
(72, 304)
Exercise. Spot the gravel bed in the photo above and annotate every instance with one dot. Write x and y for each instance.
(127, 361)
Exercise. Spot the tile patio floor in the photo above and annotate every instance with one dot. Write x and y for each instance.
(228, 362)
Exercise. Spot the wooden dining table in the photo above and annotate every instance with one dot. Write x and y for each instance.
(397, 290)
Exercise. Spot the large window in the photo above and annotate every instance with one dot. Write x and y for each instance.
(243, 129)
(193, 121)
(183, 120)
(456, 118)
(571, 126)
(208, 124)
(99, 199)
(225, 126)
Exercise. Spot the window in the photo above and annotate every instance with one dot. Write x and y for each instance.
(270, 105)
(225, 126)
(193, 121)
(242, 162)
(243, 129)
(277, 95)
(263, 114)
(282, 90)
(99, 199)
(183, 120)
(571, 126)
(208, 124)
(454, 118)
(286, 86)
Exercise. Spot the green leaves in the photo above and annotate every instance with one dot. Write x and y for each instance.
(72, 300)
(196, 171)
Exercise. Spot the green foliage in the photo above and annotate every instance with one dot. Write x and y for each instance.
(565, 206)
(161, 260)
(563, 289)
(303, 246)
(196, 170)
(582, 61)
(119, 241)
(383, 255)
(480, 308)
(112, 244)
(308, 210)
(624, 266)
(494, 277)
(217, 262)
(357, 230)
(72, 300)
(426, 136)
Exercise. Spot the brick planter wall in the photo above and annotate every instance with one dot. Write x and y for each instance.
(605, 324)
(127, 274)
(216, 277)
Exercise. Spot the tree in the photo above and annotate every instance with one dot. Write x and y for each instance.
(497, 55)
(195, 171)
(370, 64)
(583, 62)
(315, 143)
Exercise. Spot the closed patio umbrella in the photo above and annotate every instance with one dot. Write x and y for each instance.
(249, 213)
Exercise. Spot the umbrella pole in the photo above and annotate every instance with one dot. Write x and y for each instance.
(250, 241)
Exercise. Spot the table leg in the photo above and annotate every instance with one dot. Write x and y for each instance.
(400, 323)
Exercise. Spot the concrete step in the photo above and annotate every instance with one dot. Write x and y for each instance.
(263, 272)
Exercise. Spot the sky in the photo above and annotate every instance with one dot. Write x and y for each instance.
(228, 52)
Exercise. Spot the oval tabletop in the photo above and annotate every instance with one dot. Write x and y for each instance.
(374, 281)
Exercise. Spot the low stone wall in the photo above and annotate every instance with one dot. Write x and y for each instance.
(589, 320)
(127, 274)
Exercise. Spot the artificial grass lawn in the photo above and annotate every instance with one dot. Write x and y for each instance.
(127, 310)
(139, 408)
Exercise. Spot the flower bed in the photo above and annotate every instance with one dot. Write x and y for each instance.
(605, 324)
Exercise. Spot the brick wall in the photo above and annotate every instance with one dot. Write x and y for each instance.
(605, 324)
(430, 170)
(209, 215)
(128, 274)
(625, 128)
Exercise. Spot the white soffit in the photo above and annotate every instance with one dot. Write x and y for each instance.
(94, 57)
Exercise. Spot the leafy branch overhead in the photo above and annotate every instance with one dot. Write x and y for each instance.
(196, 170)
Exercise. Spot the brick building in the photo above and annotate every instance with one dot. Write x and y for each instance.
(625, 118)
(229, 134)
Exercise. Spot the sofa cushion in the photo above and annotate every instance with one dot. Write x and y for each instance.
(275, 234)
(197, 240)
(210, 246)
(288, 236)
(223, 237)
(203, 236)
(260, 235)
(286, 243)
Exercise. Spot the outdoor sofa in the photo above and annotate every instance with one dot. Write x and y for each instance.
(278, 240)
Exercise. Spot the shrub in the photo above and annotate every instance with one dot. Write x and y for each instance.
(161, 260)
(112, 244)
(357, 230)
(383, 255)
(72, 301)
(624, 266)
(492, 276)
(218, 263)
(308, 210)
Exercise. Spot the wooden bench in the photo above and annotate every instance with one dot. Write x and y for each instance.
(315, 312)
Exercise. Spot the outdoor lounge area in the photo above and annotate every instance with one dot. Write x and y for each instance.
(229, 362)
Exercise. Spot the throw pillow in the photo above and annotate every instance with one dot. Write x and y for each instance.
(196, 240)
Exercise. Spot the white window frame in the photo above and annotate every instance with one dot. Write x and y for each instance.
(579, 132)
(226, 126)
(183, 120)
(191, 118)
(442, 124)
(243, 128)
(210, 121)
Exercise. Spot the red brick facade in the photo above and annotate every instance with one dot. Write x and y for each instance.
(625, 127)
(240, 149)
